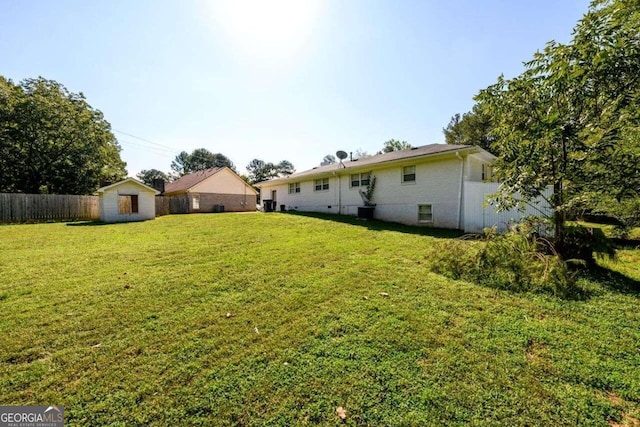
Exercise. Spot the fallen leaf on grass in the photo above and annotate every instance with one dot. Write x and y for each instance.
(229, 315)
(256, 330)
(96, 346)
(341, 413)
(384, 294)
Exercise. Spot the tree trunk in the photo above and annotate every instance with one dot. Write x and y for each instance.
(559, 218)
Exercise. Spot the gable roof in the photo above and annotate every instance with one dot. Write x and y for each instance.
(422, 151)
(128, 180)
(187, 181)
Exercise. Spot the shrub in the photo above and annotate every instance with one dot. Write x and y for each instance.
(454, 259)
(516, 261)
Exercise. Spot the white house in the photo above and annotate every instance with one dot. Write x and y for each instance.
(127, 200)
(437, 185)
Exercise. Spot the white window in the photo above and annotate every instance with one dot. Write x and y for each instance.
(321, 184)
(409, 174)
(196, 202)
(360, 179)
(425, 213)
(294, 188)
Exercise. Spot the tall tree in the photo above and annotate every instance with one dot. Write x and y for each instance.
(329, 159)
(394, 145)
(472, 128)
(361, 154)
(285, 167)
(571, 119)
(259, 170)
(149, 175)
(52, 140)
(199, 159)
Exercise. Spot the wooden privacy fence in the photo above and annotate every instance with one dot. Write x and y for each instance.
(166, 205)
(16, 207)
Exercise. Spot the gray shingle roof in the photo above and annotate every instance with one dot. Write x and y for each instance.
(422, 151)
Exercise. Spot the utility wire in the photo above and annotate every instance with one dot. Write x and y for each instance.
(158, 151)
(145, 140)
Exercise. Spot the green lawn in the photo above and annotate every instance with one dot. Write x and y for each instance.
(127, 325)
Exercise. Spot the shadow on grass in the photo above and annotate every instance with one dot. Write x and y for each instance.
(69, 222)
(626, 243)
(613, 280)
(86, 223)
(377, 225)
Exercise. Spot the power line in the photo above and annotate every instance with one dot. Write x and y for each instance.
(145, 140)
(155, 150)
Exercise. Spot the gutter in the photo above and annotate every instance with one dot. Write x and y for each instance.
(368, 166)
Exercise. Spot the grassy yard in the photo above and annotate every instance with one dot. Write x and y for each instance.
(277, 319)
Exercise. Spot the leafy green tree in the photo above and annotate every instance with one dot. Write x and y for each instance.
(200, 159)
(361, 154)
(394, 145)
(284, 168)
(472, 128)
(53, 141)
(259, 170)
(571, 119)
(148, 175)
(329, 159)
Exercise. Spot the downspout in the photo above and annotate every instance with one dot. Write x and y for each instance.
(460, 188)
(337, 175)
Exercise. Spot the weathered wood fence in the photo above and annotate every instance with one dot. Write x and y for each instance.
(16, 207)
(166, 205)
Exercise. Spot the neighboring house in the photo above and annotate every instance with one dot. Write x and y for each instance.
(214, 190)
(437, 185)
(127, 200)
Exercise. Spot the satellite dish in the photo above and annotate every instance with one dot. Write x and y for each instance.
(341, 154)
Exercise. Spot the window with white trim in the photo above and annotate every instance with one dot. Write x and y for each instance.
(294, 187)
(321, 184)
(196, 202)
(360, 179)
(425, 213)
(409, 174)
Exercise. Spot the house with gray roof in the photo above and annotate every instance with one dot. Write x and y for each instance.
(436, 185)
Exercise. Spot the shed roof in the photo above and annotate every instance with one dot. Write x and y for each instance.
(128, 180)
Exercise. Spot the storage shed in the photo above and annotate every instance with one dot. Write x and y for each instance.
(127, 200)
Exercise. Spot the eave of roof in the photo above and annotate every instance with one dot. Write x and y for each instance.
(424, 151)
(126, 180)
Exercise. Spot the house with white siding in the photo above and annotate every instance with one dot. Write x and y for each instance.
(437, 185)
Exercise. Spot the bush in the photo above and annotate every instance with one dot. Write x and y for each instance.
(516, 261)
(454, 259)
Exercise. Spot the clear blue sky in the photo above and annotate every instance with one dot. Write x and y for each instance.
(274, 80)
